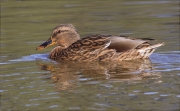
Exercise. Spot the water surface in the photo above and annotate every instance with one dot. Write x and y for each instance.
(30, 81)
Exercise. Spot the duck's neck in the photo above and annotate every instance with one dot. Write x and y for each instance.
(55, 52)
(68, 39)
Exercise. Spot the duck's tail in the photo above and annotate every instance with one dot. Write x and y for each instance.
(140, 52)
(145, 52)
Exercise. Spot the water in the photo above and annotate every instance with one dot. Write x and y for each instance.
(30, 81)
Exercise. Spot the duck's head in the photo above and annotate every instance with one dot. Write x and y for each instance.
(63, 35)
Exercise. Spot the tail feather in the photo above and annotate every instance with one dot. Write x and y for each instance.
(147, 51)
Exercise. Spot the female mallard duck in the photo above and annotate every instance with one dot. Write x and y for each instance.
(96, 47)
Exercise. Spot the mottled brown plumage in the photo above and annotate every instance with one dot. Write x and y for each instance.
(96, 47)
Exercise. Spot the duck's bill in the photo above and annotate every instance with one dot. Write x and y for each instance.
(48, 43)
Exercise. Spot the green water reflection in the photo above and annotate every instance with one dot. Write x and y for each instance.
(47, 85)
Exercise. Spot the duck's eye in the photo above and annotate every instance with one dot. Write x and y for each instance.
(59, 31)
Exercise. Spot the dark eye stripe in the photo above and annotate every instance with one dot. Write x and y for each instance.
(59, 31)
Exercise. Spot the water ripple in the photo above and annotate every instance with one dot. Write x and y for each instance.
(150, 93)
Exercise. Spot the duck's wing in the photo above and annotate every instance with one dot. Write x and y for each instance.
(125, 43)
(119, 43)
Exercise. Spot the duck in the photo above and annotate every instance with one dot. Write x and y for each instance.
(96, 47)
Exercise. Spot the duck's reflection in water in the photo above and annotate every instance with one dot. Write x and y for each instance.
(67, 74)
